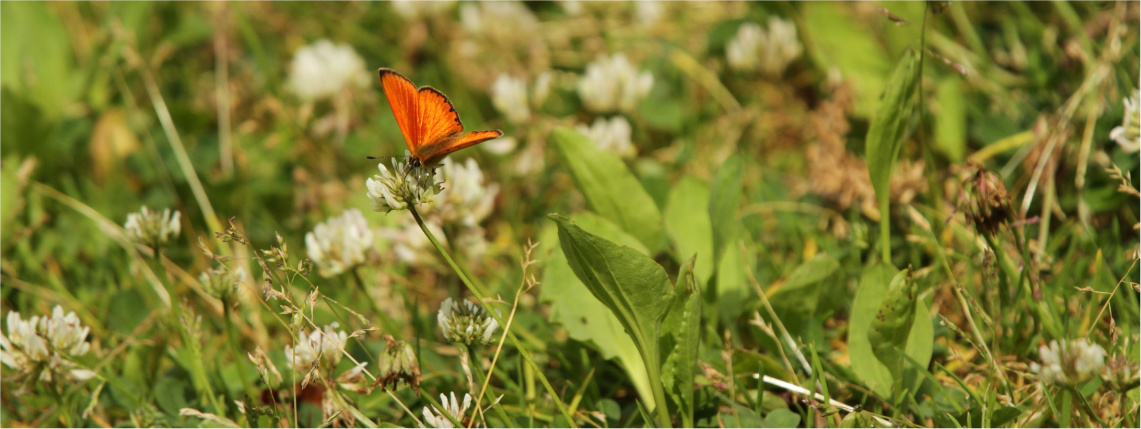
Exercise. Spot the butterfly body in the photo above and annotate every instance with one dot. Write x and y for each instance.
(430, 124)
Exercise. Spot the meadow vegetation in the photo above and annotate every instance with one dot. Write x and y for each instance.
(708, 214)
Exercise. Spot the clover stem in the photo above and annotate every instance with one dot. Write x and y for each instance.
(478, 292)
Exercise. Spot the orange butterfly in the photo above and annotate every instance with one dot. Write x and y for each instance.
(430, 124)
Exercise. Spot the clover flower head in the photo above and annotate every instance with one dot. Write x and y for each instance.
(43, 346)
(414, 9)
(153, 228)
(613, 84)
(222, 283)
(612, 135)
(398, 363)
(320, 347)
(1069, 362)
(1128, 135)
(340, 243)
(438, 418)
(769, 50)
(509, 96)
(466, 323)
(323, 69)
(465, 196)
(401, 186)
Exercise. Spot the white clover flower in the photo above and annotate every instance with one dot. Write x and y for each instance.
(500, 146)
(414, 9)
(648, 12)
(43, 346)
(317, 347)
(509, 95)
(498, 18)
(770, 51)
(465, 197)
(1069, 362)
(468, 323)
(612, 135)
(1128, 135)
(222, 283)
(153, 228)
(395, 189)
(409, 243)
(437, 419)
(340, 243)
(542, 88)
(323, 69)
(612, 84)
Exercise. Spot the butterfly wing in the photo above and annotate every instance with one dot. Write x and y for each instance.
(405, 103)
(433, 152)
(438, 119)
(441, 129)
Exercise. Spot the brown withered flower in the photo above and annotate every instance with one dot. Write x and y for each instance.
(985, 201)
(398, 363)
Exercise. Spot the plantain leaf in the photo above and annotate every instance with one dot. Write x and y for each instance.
(917, 340)
(951, 122)
(885, 136)
(723, 201)
(634, 287)
(838, 39)
(681, 336)
(690, 229)
(584, 317)
(611, 190)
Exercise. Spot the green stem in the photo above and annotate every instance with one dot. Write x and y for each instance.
(197, 368)
(64, 407)
(478, 292)
(236, 348)
(384, 320)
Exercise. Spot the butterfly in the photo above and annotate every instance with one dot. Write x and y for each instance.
(431, 126)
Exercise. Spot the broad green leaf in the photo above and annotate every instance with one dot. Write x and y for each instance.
(799, 295)
(10, 194)
(36, 56)
(782, 418)
(733, 290)
(688, 225)
(740, 416)
(630, 284)
(583, 316)
(869, 297)
(892, 322)
(723, 202)
(609, 187)
(839, 40)
(885, 137)
(681, 338)
(951, 121)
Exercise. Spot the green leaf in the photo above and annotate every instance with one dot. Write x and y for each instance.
(799, 295)
(11, 193)
(951, 121)
(681, 338)
(919, 339)
(782, 418)
(892, 322)
(689, 226)
(584, 317)
(609, 187)
(733, 291)
(839, 40)
(36, 55)
(723, 202)
(631, 285)
(885, 137)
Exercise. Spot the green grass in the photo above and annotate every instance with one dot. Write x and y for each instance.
(891, 225)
